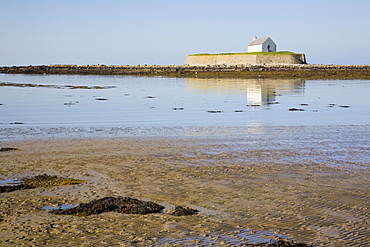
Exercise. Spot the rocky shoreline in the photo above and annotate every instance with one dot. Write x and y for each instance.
(306, 71)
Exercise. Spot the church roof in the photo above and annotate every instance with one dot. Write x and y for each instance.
(258, 41)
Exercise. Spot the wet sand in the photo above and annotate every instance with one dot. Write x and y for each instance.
(309, 183)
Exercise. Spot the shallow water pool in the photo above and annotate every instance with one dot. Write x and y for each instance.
(128, 101)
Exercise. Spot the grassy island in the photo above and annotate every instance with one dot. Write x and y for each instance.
(250, 53)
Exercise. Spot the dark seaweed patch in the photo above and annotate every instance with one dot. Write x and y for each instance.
(284, 243)
(124, 205)
(70, 103)
(40, 181)
(307, 71)
(280, 243)
(213, 111)
(44, 180)
(10, 84)
(182, 211)
(10, 188)
(8, 149)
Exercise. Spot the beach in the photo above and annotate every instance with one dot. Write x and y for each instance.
(168, 123)
(309, 183)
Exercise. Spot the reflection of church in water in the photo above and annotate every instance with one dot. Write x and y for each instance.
(258, 91)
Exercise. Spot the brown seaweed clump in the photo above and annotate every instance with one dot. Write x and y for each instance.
(10, 188)
(286, 243)
(7, 149)
(281, 243)
(124, 205)
(44, 180)
(40, 181)
(182, 211)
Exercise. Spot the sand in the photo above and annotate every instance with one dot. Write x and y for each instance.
(309, 183)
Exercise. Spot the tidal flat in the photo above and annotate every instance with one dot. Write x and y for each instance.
(308, 183)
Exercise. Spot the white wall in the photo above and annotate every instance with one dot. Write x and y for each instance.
(255, 48)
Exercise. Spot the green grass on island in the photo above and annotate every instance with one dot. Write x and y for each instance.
(250, 53)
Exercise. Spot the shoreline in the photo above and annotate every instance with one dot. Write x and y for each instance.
(309, 183)
(304, 71)
(24, 133)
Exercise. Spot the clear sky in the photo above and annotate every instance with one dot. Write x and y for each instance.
(34, 32)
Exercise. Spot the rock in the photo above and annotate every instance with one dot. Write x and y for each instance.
(182, 211)
(213, 111)
(296, 109)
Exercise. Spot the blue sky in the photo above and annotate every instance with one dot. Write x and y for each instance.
(163, 32)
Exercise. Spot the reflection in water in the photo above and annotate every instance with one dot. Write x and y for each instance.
(11, 182)
(258, 91)
(125, 101)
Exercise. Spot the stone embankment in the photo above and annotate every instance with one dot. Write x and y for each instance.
(307, 71)
(245, 59)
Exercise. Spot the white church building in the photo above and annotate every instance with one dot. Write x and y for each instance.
(262, 45)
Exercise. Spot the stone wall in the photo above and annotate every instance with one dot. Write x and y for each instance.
(245, 59)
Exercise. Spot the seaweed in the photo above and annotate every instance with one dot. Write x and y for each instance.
(286, 243)
(281, 243)
(40, 181)
(215, 111)
(44, 180)
(306, 71)
(124, 205)
(8, 149)
(296, 109)
(10, 84)
(182, 211)
(10, 188)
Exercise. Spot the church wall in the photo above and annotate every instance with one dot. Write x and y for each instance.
(255, 48)
(270, 43)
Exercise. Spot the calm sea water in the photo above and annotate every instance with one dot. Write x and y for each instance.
(127, 101)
